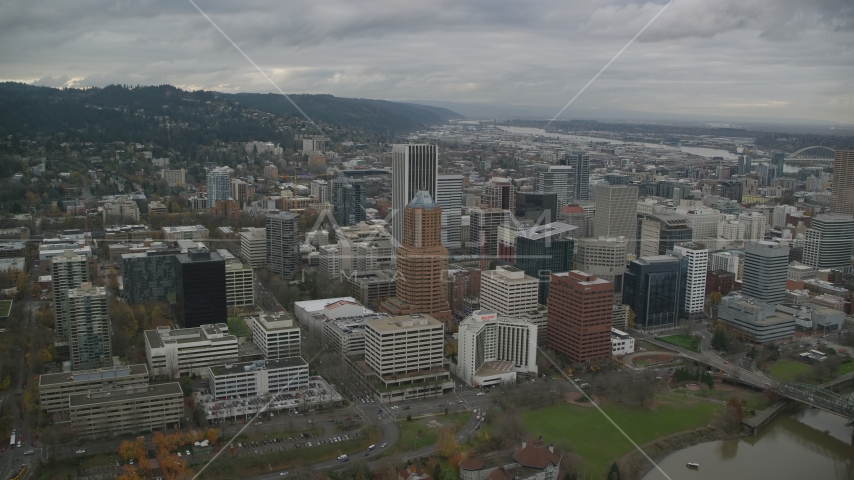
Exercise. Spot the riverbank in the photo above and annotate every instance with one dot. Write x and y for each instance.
(635, 466)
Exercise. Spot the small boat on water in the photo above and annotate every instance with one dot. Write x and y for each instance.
(693, 466)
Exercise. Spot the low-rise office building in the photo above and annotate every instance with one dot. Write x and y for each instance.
(373, 287)
(757, 321)
(55, 388)
(621, 343)
(13, 250)
(188, 351)
(128, 233)
(126, 411)
(258, 377)
(346, 335)
(816, 318)
(314, 313)
(185, 232)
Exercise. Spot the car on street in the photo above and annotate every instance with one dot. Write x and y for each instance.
(283, 474)
(480, 394)
(29, 452)
(78, 452)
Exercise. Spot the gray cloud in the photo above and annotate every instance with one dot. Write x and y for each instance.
(783, 58)
(52, 82)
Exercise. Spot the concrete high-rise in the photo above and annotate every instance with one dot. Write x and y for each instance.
(320, 191)
(415, 167)
(68, 272)
(218, 183)
(616, 213)
(604, 257)
(405, 355)
(494, 347)
(200, 291)
(829, 241)
(449, 196)
(580, 314)
(483, 230)
(660, 232)
(842, 192)
(89, 335)
(766, 268)
(508, 291)
(580, 160)
(282, 233)
(253, 246)
(499, 192)
(422, 263)
(559, 180)
(697, 257)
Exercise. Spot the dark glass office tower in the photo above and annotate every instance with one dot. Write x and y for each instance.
(653, 288)
(348, 198)
(200, 291)
(544, 250)
(149, 275)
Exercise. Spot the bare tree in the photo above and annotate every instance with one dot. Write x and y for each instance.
(643, 388)
(509, 426)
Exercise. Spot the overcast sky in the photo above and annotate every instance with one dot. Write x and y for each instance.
(758, 58)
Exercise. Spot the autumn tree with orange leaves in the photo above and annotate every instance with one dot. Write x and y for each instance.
(212, 435)
(446, 444)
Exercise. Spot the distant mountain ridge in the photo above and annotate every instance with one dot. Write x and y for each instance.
(119, 112)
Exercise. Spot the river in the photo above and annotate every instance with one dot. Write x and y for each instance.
(699, 151)
(806, 444)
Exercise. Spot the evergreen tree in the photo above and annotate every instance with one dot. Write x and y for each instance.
(719, 341)
(614, 473)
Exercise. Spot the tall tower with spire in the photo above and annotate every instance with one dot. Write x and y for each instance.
(422, 263)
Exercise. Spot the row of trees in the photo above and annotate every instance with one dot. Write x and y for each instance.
(683, 374)
(171, 465)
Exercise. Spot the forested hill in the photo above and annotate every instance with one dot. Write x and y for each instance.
(158, 113)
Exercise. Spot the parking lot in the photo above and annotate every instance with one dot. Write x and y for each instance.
(318, 393)
(101, 472)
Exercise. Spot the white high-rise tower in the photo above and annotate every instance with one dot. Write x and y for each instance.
(415, 167)
(449, 196)
(697, 256)
(218, 185)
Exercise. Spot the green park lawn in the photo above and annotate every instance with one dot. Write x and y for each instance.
(5, 308)
(596, 440)
(685, 341)
(847, 367)
(787, 370)
(424, 431)
(236, 327)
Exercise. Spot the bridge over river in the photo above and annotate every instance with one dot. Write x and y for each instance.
(819, 396)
